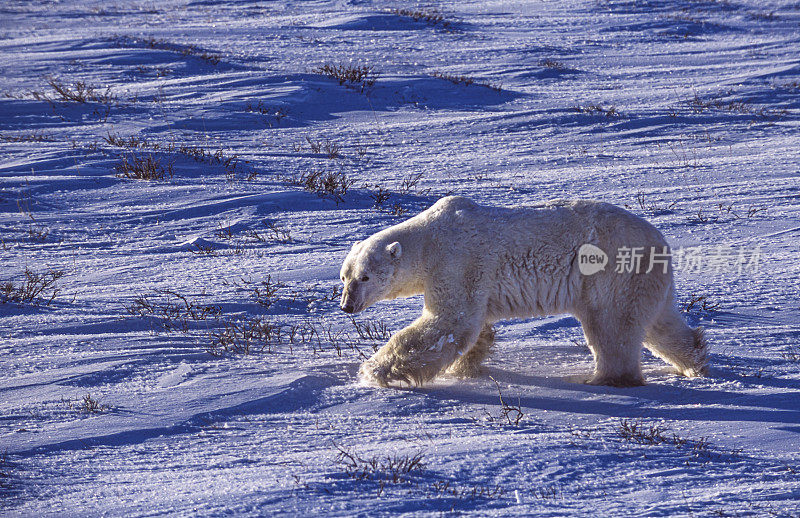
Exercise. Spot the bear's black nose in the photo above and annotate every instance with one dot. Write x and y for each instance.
(348, 308)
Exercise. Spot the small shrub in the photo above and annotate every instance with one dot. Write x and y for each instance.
(184, 50)
(86, 405)
(699, 304)
(143, 168)
(265, 291)
(447, 488)
(552, 64)
(29, 137)
(199, 154)
(5, 466)
(324, 184)
(374, 330)
(793, 355)
(639, 432)
(396, 469)
(279, 234)
(357, 76)
(380, 196)
(327, 147)
(398, 210)
(173, 309)
(244, 337)
(466, 81)
(38, 234)
(652, 207)
(89, 405)
(428, 16)
(597, 109)
(79, 92)
(700, 105)
(409, 183)
(510, 414)
(200, 249)
(34, 289)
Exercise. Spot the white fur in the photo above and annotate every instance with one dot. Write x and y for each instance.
(477, 265)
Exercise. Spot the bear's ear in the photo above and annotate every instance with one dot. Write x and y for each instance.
(395, 250)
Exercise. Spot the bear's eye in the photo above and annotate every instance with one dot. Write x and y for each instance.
(365, 278)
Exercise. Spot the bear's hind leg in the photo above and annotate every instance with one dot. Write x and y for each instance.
(468, 365)
(617, 351)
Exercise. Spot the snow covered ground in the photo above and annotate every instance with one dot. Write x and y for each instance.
(111, 401)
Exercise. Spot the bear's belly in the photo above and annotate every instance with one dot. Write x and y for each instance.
(525, 293)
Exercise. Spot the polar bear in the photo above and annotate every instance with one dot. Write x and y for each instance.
(476, 265)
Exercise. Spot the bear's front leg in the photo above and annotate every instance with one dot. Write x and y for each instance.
(419, 352)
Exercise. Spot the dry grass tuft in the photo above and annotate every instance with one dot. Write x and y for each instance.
(396, 469)
(429, 16)
(34, 289)
(79, 92)
(144, 168)
(598, 109)
(466, 81)
(329, 184)
(649, 434)
(357, 76)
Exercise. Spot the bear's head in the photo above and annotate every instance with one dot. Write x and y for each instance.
(368, 272)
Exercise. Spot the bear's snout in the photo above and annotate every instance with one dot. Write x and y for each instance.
(348, 297)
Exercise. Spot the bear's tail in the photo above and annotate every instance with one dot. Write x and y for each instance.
(684, 347)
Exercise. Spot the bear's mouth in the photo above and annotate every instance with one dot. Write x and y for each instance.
(352, 307)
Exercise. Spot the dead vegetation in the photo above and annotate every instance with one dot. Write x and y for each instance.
(553, 64)
(35, 288)
(230, 163)
(467, 81)
(27, 137)
(326, 147)
(278, 233)
(86, 405)
(5, 471)
(393, 469)
(700, 105)
(360, 77)
(650, 434)
(792, 355)
(269, 111)
(246, 336)
(373, 330)
(89, 405)
(651, 207)
(243, 335)
(193, 51)
(38, 234)
(265, 292)
(325, 184)
(429, 16)
(259, 334)
(79, 92)
(146, 167)
(509, 415)
(598, 109)
(381, 195)
(404, 471)
(699, 304)
(174, 310)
